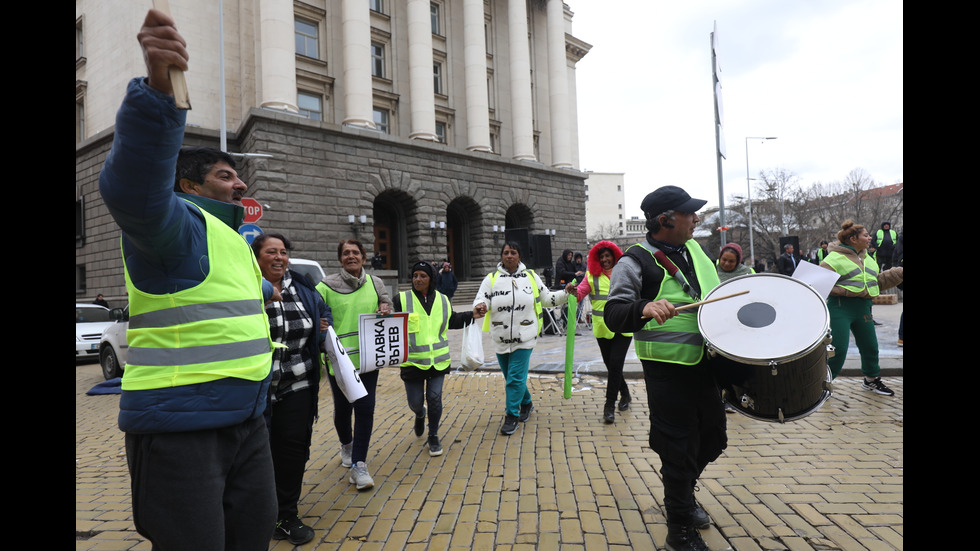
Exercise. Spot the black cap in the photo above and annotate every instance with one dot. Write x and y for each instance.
(670, 198)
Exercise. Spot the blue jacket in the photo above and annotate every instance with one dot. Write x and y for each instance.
(164, 243)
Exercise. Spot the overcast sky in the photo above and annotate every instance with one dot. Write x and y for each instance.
(823, 76)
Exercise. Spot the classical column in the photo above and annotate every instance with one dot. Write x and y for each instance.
(561, 153)
(278, 55)
(420, 71)
(475, 76)
(358, 99)
(522, 114)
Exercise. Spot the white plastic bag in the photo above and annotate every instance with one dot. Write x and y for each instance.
(343, 368)
(472, 354)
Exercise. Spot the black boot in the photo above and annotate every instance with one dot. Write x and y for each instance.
(684, 537)
(609, 414)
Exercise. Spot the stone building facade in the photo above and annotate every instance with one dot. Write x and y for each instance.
(425, 191)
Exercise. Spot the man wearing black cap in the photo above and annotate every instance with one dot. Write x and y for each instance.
(687, 417)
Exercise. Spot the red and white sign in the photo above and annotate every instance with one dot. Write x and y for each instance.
(253, 210)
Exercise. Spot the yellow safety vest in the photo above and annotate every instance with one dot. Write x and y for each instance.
(428, 345)
(346, 309)
(599, 294)
(678, 340)
(854, 277)
(214, 330)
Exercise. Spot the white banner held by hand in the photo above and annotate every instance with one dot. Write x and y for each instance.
(383, 340)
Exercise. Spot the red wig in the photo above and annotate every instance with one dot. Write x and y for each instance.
(593, 263)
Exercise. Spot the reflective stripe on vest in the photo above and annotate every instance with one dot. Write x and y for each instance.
(599, 294)
(678, 340)
(346, 310)
(206, 332)
(538, 309)
(428, 345)
(853, 277)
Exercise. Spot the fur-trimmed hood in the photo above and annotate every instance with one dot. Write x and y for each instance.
(593, 262)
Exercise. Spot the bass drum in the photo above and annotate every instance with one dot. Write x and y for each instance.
(770, 346)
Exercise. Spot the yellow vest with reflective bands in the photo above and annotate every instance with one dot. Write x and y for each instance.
(599, 294)
(428, 346)
(214, 330)
(854, 277)
(346, 310)
(678, 340)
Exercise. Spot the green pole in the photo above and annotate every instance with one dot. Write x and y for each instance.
(570, 344)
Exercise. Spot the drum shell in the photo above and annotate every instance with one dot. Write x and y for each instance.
(770, 367)
(785, 392)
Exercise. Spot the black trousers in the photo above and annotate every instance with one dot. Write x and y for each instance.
(362, 412)
(614, 356)
(290, 434)
(688, 429)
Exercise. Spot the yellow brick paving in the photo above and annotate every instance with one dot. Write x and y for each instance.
(564, 480)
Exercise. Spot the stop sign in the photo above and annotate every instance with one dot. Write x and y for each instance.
(253, 210)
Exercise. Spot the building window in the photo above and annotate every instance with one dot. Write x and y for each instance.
(310, 105)
(441, 132)
(79, 223)
(80, 285)
(381, 120)
(79, 39)
(434, 17)
(307, 38)
(377, 59)
(437, 78)
(377, 5)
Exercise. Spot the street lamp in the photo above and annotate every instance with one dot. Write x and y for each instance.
(748, 185)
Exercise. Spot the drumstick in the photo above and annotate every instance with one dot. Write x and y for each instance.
(696, 304)
(177, 80)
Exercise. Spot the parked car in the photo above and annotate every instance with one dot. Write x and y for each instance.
(113, 345)
(310, 268)
(90, 321)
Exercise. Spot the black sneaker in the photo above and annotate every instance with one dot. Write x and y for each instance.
(510, 425)
(877, 387)
(435, 448)
(420, 423)
(624, 404)
(684, 538)
(294, 530)
(609, 414)
(526, 410)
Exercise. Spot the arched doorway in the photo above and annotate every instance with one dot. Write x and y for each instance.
(393, 211)
(463, 217)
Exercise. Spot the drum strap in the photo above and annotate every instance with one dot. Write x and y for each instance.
(672, 269)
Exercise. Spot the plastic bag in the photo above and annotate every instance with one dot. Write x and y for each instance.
(343, 368)
(472, 354)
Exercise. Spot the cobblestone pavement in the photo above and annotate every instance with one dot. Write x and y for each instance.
(564, 480)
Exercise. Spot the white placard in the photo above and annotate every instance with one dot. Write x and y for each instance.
(383, 340)
(821, 279)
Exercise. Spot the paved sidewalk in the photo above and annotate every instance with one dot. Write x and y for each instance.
(833, 480)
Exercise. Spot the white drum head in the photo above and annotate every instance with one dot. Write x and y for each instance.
(779, 319)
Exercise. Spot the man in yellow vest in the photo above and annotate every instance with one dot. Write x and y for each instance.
(687, 417)
(196, 382)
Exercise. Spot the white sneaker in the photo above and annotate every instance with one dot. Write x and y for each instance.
(359, 476)
(345, 451)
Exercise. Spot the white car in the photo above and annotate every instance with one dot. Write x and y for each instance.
(90, 321)
(113, 346)
(309, 268)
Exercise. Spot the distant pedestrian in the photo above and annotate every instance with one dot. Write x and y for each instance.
(100, 301)
(786, 263)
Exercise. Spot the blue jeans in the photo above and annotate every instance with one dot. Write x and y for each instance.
(515, 367)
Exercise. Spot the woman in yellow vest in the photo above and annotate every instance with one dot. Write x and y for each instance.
(430, 315)
(613, 346)
(513, 297)
(850, 299)
(350, 293)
